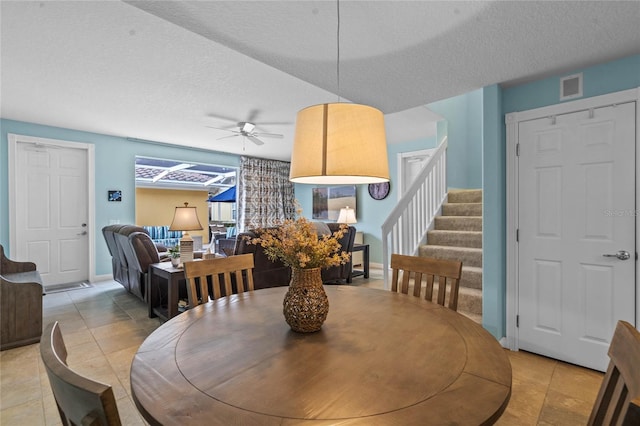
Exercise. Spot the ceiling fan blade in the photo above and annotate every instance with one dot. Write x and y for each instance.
(255, 140)
(274, 123)
(222, 117)
(227, 137)
(269, 135)
(222, 128)
(252, 115)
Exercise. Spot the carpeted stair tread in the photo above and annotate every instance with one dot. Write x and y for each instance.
(455, 238)
(471, 277)
(458, 223)
(457, 235)
(468, 256)
(464, 196)
(470, 300)
(462, 209)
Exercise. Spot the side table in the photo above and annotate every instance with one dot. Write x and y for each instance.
(364, 248)
(158, 272)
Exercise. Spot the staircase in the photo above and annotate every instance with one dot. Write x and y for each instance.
(457, 235)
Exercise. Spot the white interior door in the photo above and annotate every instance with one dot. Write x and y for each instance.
(409, 166)
(51, 210)
(576, 204)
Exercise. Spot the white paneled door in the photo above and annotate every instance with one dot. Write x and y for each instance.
(576, 221)
(51, 211)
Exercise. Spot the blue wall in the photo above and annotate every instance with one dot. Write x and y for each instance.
(371, 213)
(598, 80)
(114, 169)
(463, 115)
(493, 219)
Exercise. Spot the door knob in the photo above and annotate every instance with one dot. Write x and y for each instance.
(621, 254)
(82, 233)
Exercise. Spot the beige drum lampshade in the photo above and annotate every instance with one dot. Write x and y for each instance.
(339, 143)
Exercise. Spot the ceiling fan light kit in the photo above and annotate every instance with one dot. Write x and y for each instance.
(246, 127)
(339, 143)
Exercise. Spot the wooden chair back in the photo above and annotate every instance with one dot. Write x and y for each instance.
(619, 396)
(448, 272)
(218, 272)
(8, 266)
(80, 401)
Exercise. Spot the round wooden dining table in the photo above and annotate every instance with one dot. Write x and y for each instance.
(381, 358)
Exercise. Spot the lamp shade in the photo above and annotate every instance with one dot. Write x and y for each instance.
(185, 219)
(339, 143)
(347, 215)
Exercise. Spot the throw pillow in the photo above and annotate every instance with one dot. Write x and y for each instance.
(322, 228)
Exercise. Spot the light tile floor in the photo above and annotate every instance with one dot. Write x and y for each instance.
(104, 325)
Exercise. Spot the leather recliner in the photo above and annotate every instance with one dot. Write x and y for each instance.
(132, 251)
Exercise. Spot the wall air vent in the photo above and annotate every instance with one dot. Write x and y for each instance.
(571, 87)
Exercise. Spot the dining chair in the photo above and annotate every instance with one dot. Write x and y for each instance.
(447, 271)
(218, 271)
(619, 396)
(80, 400)
(633, 413)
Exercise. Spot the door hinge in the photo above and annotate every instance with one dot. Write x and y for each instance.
(518, 235)
(517, 320)
(518, 149)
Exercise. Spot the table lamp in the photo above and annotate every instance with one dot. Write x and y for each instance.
(186, 219)
(347, 215)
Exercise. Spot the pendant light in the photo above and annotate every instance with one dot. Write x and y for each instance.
(339, 143)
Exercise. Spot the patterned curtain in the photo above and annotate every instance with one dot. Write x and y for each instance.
(265, 194)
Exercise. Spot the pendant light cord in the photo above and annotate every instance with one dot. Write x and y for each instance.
(338, 49)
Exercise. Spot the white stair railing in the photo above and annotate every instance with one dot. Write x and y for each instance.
(407, 225)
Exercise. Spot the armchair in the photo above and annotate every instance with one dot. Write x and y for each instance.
(21, 303)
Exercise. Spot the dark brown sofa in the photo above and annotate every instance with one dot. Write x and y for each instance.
(273, 274)
(340, 274)
(265, 272)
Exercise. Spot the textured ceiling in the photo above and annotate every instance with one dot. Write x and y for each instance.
(166, 70)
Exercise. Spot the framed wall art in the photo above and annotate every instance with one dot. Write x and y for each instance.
(115, 195)
(327, 201)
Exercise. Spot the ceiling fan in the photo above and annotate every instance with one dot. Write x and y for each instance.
(247, 130)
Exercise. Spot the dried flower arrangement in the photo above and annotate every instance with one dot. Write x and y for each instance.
(297, 244)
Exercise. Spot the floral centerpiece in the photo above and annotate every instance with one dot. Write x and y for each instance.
(297, 244)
